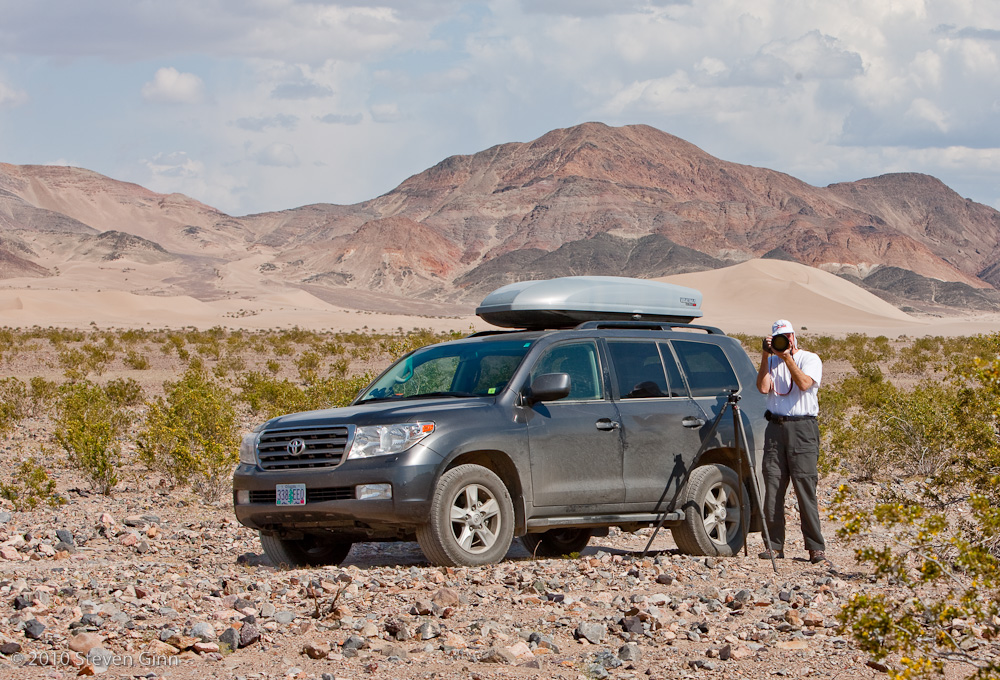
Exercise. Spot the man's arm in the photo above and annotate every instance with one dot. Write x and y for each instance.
(764, 381)
(801, 380)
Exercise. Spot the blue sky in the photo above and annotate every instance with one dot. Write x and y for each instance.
(256, 105)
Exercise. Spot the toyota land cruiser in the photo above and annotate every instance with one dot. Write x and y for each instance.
(596, 413)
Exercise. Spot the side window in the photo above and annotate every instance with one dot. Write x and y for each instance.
(638, 369)
(707, 369)
(579, 359)
(674, 380)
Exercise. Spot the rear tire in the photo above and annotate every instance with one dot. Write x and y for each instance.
(557, 542)
(471, 519)
(306, 552)
(713, 502)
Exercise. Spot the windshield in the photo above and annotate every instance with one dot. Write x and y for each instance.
(461, 369)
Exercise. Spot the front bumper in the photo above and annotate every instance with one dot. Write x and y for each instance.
(411, 476)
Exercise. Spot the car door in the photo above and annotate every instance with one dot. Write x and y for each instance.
(575, 444)
(660, 421)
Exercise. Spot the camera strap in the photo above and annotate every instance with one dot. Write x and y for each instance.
(774, 382)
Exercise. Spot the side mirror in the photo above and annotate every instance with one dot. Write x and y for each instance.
(548, 387)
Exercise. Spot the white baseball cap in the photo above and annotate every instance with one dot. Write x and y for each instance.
(782, 327)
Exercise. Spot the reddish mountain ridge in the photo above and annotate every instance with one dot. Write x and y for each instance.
(436, 235)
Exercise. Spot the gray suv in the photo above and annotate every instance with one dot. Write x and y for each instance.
(550, 435)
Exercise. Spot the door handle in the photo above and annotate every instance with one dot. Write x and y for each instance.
(607, 424)
(693, 421)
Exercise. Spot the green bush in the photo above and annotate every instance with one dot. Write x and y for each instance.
(31, 487)
(268, 396)
(944, 603)
(44, 394)
(191, 436)
(124, 392)
(135, 360)
(88, 426)
(15, 403)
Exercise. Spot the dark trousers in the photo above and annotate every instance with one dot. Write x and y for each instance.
(791, 452)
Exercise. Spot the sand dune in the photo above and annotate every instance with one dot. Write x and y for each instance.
(747, 297)
(744, 298)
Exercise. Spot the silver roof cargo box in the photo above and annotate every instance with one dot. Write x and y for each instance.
(571, 300)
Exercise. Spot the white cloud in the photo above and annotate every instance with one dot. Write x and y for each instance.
(170, 86)
(11, 97)
(279, 155)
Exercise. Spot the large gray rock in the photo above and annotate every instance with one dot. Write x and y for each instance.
(591, 632)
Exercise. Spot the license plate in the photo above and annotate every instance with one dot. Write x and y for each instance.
(290, 494)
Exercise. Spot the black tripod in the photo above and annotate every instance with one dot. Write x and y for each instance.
(743, 457)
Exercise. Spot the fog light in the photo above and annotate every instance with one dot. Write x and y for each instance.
(373, 492)
(242, 497)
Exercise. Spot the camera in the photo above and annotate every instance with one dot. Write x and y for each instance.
(779, 343)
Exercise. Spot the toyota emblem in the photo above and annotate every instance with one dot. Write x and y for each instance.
(296, 447)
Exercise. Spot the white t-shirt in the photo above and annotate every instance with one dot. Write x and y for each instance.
(785, 397)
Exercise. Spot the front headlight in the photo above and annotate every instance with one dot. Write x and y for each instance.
(248, 447)
(381, 440)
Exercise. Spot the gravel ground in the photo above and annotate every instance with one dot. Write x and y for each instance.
(153, 583)
(173, 588)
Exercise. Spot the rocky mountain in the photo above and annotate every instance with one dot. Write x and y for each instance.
(591, 199)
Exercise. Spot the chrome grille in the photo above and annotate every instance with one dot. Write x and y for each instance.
(323, 447)
(336, 493)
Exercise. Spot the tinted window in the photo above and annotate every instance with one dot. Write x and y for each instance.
(706, 367)
(463, 368)
(677, 388)
(638, 369)
(580, 360)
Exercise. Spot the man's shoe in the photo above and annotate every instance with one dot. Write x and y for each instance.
(768, 554)
(819, 557)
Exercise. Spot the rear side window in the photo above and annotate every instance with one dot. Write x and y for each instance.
(707, 368)
(638, 369)
(580, 360)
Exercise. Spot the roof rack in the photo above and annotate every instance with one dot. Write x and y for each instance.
(646, 325)
(611, 324)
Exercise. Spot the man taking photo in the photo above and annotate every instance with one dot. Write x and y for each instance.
(790, 377)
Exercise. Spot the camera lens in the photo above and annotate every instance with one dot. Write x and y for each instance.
(780, 343)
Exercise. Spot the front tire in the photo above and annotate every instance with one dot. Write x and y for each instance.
(713, 503)
(310, 551)
(471, 519)
(557, 542)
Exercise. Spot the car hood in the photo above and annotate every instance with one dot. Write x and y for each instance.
(383, 412)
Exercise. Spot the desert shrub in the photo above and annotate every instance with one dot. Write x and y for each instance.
(230, 362)
(15, 404)
(44, 394)
(78, 363)
(30, 487)
(922, 355)
(281, 345)
(876, 429)
(945, 601)
(175, 342)
(135, 360)
(340, 367)
(308, 363)
(273, 367)
(124, 392)
(88, 426)
(269, 397)
(335, 392)
(191, 436)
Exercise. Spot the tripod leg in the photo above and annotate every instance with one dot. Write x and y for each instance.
(745, 450)
(704, 445)
(744, 509)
